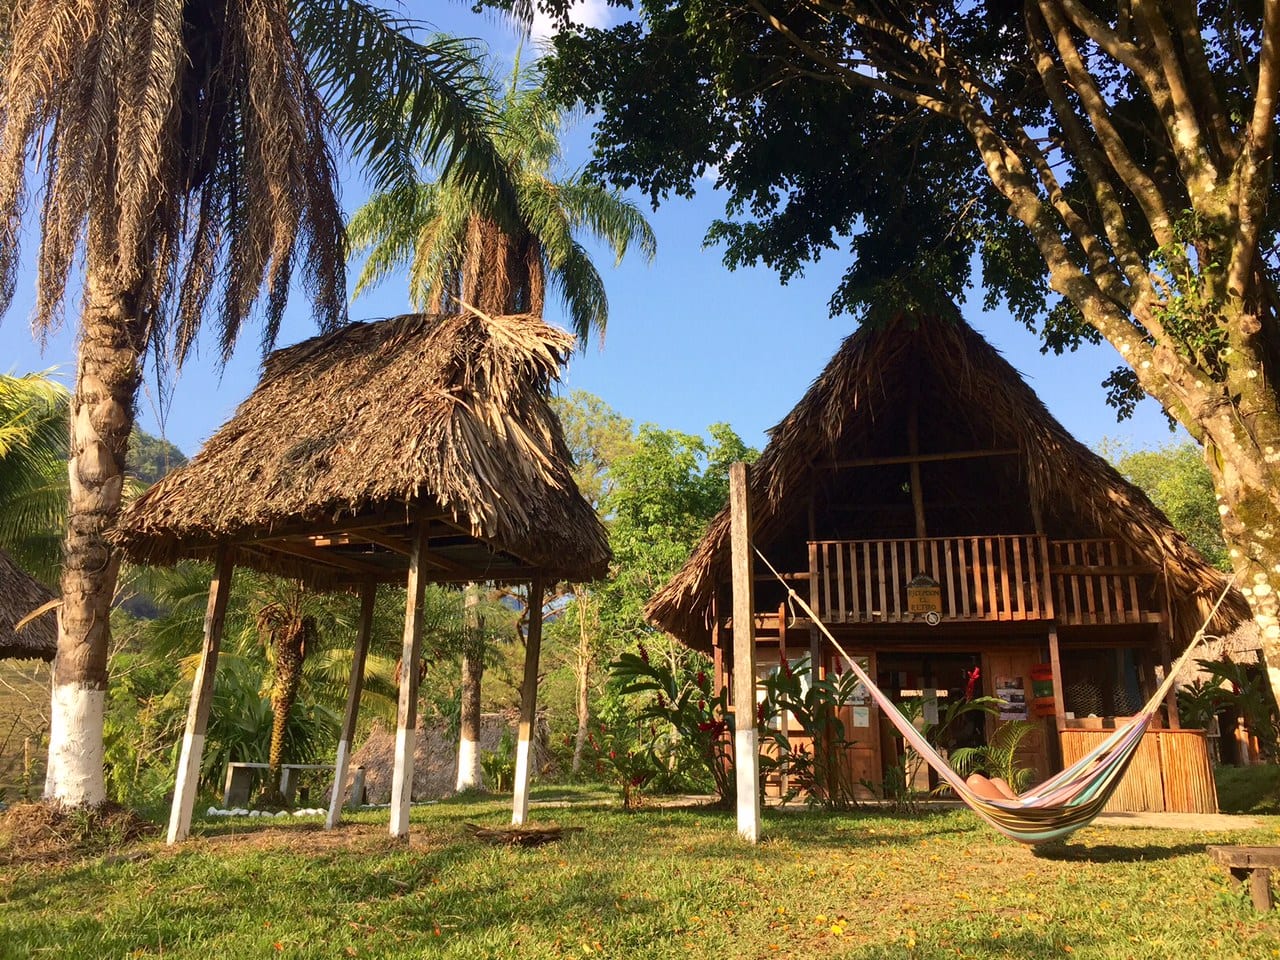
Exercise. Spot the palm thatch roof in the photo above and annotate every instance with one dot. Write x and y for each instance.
(969, 391)
(20, 595)
(351, 437)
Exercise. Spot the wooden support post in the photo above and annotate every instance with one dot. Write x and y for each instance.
(1055, 662)
(746, 754)
(407, 714)
(368, 594)
(528, 706)
(184, 790)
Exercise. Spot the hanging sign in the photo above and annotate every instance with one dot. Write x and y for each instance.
(924, 597)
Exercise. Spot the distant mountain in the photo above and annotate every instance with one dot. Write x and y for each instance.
(150, 458)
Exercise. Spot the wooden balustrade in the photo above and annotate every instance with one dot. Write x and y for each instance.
(979, 578)
(1100, 581)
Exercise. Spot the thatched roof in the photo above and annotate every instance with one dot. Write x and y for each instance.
(20, 595)
(854, 408)
(357, 433)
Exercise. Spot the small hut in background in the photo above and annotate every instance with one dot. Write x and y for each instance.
(411, 450)
(945, 526)
(20, 596)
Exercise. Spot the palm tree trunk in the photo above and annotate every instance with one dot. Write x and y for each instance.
(108, 371)
(284, 692)
(469, 773)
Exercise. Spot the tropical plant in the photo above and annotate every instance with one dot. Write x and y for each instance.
(694, 734)
(184, 167)
(818, 770)
(999, 757)
(456, 250)
(499, 764)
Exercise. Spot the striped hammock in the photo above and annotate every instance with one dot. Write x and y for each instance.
(1062, 804)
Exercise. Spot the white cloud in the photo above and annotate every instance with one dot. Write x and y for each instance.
(586, 13)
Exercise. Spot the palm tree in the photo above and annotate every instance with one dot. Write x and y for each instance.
(456, 249)
(182, 150)
(458, 252)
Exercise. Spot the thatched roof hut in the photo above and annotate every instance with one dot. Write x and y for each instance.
(347, 432)
(420, 448)
(21, 595)
(972, 396)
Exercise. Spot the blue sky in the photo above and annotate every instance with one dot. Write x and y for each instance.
(689, 342)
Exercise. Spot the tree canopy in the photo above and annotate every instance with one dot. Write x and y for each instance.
(1108, 166)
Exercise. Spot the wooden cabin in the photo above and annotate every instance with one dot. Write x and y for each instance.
(940, 520)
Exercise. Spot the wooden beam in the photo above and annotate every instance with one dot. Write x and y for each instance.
(322, 556)
(1055, 663)
(407, 713)
(746, 756)
(184, 790)
(915, 458)
(528, 706)
(368, 594)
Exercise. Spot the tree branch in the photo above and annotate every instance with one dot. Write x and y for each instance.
(1252, 169)
(1091, 162)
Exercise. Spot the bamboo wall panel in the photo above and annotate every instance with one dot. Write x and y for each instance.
(1188, 774)
(1170, 771)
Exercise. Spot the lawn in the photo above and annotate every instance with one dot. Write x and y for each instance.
(658, 883)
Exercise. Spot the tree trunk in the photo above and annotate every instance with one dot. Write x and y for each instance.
(284, 692)
(582, 674)
(108, 371)
(469, 773)
(1251, 528)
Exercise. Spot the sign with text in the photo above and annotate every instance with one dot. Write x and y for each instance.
(924, 595)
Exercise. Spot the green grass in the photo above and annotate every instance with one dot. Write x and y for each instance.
(1249, 789)
(660, 883)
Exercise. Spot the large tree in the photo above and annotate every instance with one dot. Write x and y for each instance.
(1116, 159)
(459, 254)
(180, 155)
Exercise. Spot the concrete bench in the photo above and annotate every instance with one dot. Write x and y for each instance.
(240, 777)
(1253, 864)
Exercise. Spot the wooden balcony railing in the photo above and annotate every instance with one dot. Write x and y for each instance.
(979, 578)
(998, 578)
(1100, 581)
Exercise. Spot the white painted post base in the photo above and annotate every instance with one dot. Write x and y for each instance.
(74, 776)
(338, 794)
(468, 765)
(746, 766)
(520, 806)
(407, 712)
(184, 790)
(402, 782)
(528, 706)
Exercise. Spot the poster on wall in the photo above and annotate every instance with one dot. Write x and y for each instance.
(1013, 694)
(860, 698)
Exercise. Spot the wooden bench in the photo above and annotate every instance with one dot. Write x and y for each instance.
(1254, 864)
(240, 776)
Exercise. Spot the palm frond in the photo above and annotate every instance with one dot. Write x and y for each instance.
(397, 101)
(579, 284)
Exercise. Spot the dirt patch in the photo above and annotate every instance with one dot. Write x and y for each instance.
(302, 838)
(50, 833)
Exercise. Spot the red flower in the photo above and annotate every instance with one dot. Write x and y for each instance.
(702, 705)
(702, 680)
(705, 726)
(612, 755)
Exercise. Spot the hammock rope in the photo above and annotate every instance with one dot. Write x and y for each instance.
(1066, 801)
